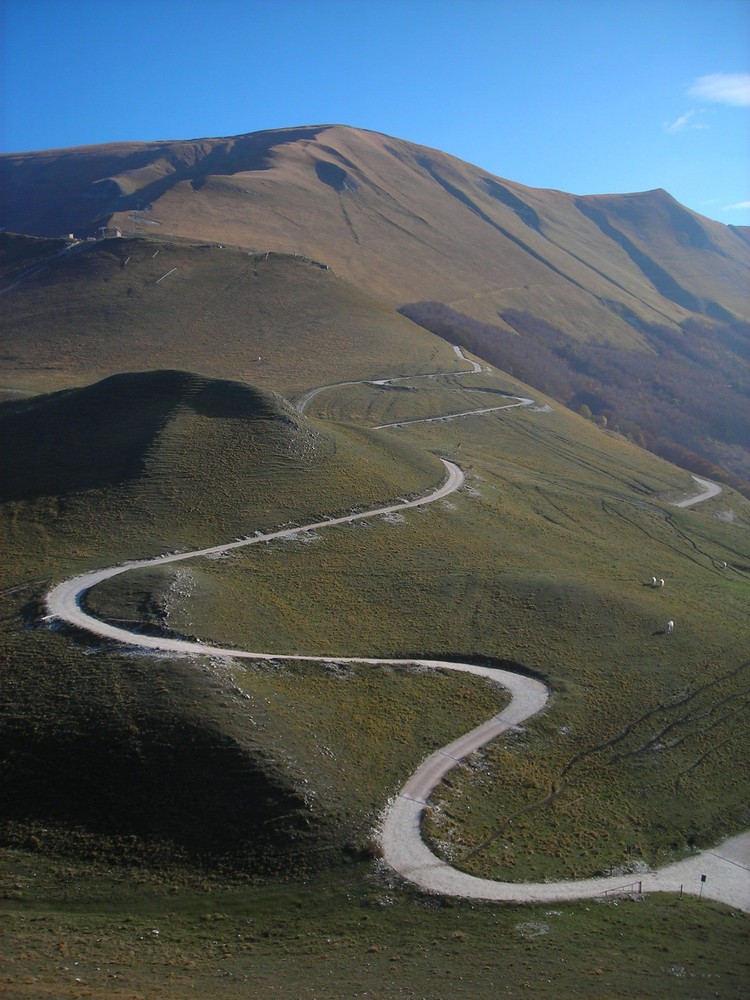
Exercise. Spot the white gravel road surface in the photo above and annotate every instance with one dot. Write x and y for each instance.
(726, 868)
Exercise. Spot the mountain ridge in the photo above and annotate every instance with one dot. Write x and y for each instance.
(427, 201)
(661, 288)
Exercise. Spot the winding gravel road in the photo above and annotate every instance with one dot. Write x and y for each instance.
(64, 602)
(304, 401)
(709, 490)
(727, 867)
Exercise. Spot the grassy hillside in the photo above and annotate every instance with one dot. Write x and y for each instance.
(85, 930)
(131, 466)
(283, 322)
(630, 305)
(542, 561)
(137, 790)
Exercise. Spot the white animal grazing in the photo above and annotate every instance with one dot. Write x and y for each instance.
(669, 628)
(653, 581)
(660, 583)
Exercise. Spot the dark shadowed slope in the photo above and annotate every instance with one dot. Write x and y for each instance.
(102, 435)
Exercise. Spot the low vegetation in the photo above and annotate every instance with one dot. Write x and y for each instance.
(175, 825)
(76, 930)
(279, 321)
(148, 462)
(501, 571)
(126, 468)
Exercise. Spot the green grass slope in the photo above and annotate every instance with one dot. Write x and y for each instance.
(135, 465)
(543, 561)
(82, 930)
(283, 322)
(136, 789)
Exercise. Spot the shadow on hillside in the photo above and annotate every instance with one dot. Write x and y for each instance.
(148, 766)
(81, 439)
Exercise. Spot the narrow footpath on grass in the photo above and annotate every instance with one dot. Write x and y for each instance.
(722, 874)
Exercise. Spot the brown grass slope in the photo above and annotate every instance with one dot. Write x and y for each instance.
(283, 322)
(404, 221)
(630, 305)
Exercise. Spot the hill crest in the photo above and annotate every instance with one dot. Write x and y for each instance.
(636, 274)
(81, 439)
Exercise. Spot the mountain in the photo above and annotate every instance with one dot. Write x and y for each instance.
(629, 307)
(365, 203)
(183, 819)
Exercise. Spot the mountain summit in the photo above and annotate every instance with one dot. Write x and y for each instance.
(599, 300)
(402, 221)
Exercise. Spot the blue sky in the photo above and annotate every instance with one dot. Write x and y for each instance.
(587, 96)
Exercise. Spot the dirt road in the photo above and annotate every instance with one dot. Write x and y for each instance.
(726, 868)
(709, 490)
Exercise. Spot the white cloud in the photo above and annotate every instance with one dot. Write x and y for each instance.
(723, 88)
(691, 119)
(739, 206)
